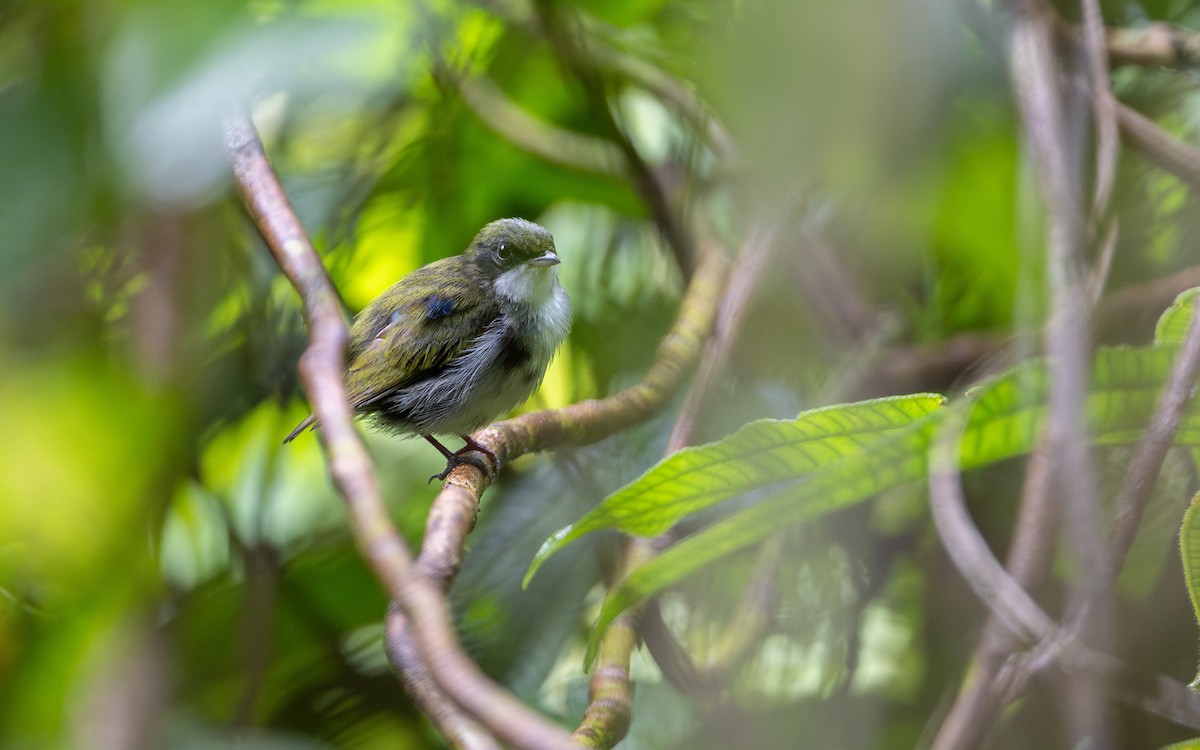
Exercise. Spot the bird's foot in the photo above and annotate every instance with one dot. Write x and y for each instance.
(454, 460)
(462, 456)
(474, 445)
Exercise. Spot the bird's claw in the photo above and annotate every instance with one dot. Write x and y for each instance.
(462, 456)
(474, 445)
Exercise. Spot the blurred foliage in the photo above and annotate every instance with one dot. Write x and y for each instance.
(171, 576)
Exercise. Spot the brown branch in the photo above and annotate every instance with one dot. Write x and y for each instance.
(567, 47)
(967, 549)
(1103, 106)
(1062, 459)
(554, 144)
(992, 680)
(666, 87)
(323, 362)
(452, 515)
(321, 369)
(1035, 74)
(610, 690)
(1166, 151)
(1151, 451)
(459, 730)
(1154, 45)
(1027, 623)
(589, 421)
(753, 260)
(756, 255)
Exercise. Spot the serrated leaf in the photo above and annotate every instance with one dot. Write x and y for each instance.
(1173, 324)
(1004, 419)
(1007, 411)
(891, 461)
(1189, 552)
(761, 453)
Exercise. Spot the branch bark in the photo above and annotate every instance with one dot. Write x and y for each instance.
(452, 515)
(321, 371)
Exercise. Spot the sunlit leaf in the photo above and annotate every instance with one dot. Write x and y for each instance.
(1003, 422)
(759, 454)
(1173, 324)
(890, 461)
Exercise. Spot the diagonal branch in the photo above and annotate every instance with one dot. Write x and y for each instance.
(534, 135)
(452, 515)
(1103, 106)
(650, 183)
(1169, 153)
(1025, 621)
(1154, 45)
(1151, 451)
(321, 370)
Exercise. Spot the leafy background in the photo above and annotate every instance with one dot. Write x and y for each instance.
(170, 576)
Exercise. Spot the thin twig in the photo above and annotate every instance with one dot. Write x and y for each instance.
(756, 255)
(980, 703)
(1179, 158)
(607, 717)
(1151, 451)
(1027, 623)
(752, 261)
(1003, 596)
(666, 87)
(1034, 67)
(1103, 107)
(552, 143)
(1034, 71)
(1154, 45)
(566, 45)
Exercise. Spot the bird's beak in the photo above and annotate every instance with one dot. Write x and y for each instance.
(549, 259)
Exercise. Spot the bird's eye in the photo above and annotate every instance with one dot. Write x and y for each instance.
(503, 252)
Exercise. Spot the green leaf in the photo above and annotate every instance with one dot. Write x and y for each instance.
(891, 461)
(759, 454)
(1004, 418)
(1007, 411)
(1173, 323)
(1189, 551)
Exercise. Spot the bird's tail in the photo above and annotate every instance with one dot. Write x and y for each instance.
(309, 421)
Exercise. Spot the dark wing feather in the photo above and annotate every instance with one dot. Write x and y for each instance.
(401, 337)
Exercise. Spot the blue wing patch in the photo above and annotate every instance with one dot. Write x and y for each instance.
(438, 307)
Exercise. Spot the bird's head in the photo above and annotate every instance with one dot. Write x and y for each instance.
(519, 258)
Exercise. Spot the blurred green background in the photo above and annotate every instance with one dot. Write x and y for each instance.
(171, 576)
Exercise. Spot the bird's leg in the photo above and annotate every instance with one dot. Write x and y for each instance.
(453, 460)
(474, 445)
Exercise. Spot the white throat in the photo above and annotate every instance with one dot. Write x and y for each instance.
(528, 285)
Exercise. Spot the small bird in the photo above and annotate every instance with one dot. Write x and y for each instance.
(457, 343)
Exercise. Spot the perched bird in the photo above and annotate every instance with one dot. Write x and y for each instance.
(457, 343)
